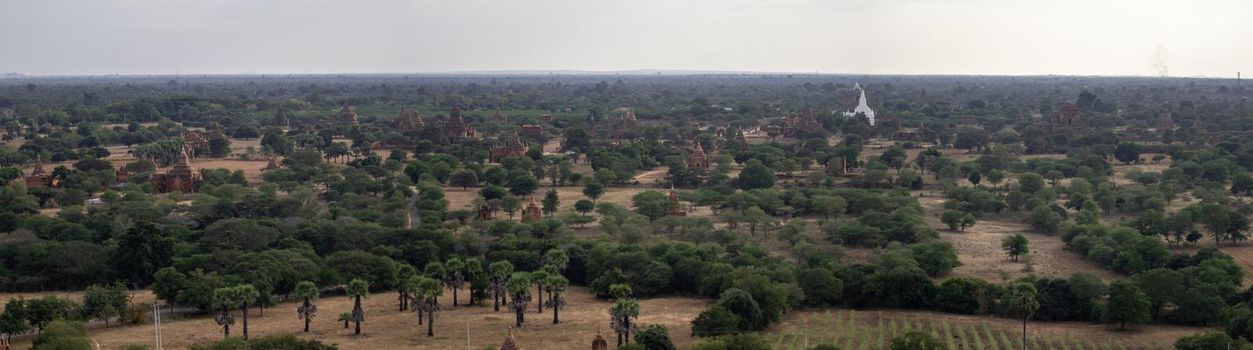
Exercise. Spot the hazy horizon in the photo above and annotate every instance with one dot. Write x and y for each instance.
(905, 37)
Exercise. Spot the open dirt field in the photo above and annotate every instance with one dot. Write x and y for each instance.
(387, 328)
(979, 249)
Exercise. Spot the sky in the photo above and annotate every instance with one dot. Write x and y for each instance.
(991, 37)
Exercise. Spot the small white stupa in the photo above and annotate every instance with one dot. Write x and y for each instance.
(861, 106)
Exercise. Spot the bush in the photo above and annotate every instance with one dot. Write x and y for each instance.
(285, 342)
(733, 342)
(715, 321)
(654, 337)
(1210, 341)
(63, 335)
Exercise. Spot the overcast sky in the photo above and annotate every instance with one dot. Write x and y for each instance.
(1081, 37)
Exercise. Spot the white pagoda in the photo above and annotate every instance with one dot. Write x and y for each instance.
(862, 108)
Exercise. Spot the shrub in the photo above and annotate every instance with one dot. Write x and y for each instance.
(654, 337)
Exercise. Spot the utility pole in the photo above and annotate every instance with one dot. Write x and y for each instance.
(156, 320)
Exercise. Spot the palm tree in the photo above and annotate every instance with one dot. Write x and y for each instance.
(404, 276)
(224, 298)
(519, 287)
(308, 292)
(1022, 300)
(500, 271)
(246, 294)
(476, 278)
(538, 277)
(556, 285)
(358, 288)
(455, 276)
(345, 318)
(622, 312)
(557, 257)
(429, 291)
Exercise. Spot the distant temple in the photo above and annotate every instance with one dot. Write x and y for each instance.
(676, 208)
(532, 212)
(797, 124)
(629, 118)
(347, 116)
(533, 130)
(195, 142)
(409, 120)
(180, 178)
(862, 108)
(698, 159)
(37, 176)
(513, 147)
(1067, 117)
(499, 117)
(456, 127)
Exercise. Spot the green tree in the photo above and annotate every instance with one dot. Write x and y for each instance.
(952, 218)
(716, 321)
(556, 286)
(652, 204)
(1126, 304)
(357, 289)
(464, 178)
(654, 337)
(104, 302)
(224, 298)
(593, 190)
(244, 295)
(142, 250)
(894, 157)
(1021, 299)
(1162, 286)
(428, 292)
(550, 202)
(623, 312)
(1128, 152)
(519, 287)
(584, 206)
(500, 272)
(308, 293)
(755, 176)
(454, 277)
(1015, 246)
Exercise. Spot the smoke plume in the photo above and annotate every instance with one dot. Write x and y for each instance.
(1159, 61)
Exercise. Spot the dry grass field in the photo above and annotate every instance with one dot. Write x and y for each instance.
(387, 328)
(872, 329)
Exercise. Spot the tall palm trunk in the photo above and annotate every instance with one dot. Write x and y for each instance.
(555, 308)
(454, 296)
(306, 305)
(356, 305)
(245, 320)
(518, 318)
(1024, 333)
(496, 300)
(539, 299)
(226, 328)
(430, 322)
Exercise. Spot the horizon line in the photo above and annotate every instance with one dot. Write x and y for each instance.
(575, 72)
